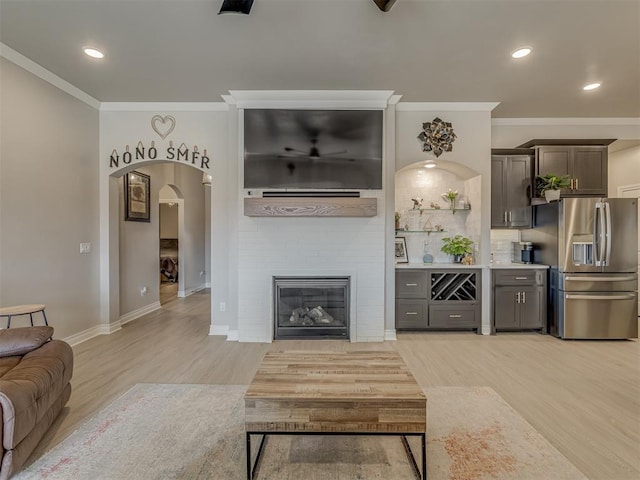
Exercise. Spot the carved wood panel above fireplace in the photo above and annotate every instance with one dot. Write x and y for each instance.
(310, 207)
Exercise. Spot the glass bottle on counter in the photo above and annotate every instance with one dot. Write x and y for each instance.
(427, 257)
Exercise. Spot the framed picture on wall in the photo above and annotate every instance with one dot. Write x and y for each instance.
(137, 205)
(401, 250)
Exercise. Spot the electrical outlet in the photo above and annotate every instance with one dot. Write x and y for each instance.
(201, 272)
(223, 306)
(143, 291)
(85, 248)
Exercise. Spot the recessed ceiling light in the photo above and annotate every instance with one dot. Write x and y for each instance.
(521, 52)
(591, 86)
(92, 52)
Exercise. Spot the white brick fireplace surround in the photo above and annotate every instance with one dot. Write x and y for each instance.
(352, 247)
(312, 246)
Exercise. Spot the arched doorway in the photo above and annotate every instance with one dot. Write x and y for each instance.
(134, 247)
(171, 236)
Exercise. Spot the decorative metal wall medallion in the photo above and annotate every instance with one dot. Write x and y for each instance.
(437, 136)
(163, 126)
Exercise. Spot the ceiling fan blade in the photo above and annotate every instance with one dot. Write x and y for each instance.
(236, 6)
(384, 5)
(295, 150)
(328, 154)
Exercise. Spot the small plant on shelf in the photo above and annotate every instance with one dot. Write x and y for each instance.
(457, 246)
(451, 196)
(551, 183)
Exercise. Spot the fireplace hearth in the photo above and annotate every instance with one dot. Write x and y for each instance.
(311, 307)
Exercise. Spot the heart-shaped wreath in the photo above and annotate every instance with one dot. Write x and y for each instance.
(437, 136)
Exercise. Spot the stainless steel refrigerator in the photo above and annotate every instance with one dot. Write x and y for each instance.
(590, 245)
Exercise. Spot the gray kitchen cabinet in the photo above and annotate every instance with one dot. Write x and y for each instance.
(519, 299)
(511, 186)
(454, 299)
(438, 299)
(412, 310)
(586, 166)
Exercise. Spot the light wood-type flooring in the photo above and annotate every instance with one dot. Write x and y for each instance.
(582, 396)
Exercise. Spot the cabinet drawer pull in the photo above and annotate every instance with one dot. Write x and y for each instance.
(411, 313)
(455, 316)
(522, 278)
(411, 284)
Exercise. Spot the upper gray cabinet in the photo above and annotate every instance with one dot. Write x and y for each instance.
(585, 161)
(511, 184)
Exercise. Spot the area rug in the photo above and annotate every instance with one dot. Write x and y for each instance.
(196, 432)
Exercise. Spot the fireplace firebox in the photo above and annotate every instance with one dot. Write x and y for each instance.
(311, 307)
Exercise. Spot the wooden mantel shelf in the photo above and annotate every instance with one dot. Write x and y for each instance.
(310, 207)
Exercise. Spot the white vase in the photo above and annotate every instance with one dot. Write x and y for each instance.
(552, 195)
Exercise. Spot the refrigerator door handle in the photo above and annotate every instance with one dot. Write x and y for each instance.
(571, 296)
(607, 233)
(588, 278)
(598, 234)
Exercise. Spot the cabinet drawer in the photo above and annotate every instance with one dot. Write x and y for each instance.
(453, 317)
(411, 314)
(411, 284)
(519, 277)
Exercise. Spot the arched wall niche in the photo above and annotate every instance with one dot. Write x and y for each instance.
(427, 186)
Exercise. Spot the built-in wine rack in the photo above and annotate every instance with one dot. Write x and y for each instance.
(454, 287)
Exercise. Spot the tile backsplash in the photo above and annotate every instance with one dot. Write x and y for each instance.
(501, 244)
(428, 186)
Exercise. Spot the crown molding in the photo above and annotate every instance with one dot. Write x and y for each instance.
(446, 106)
(565, 121)
(309, 98)
(49, 77)
(164, 107)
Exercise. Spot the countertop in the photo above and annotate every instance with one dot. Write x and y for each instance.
(459, 266)
(522, 266)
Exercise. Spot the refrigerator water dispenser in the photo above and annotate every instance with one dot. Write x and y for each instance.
(582, 253)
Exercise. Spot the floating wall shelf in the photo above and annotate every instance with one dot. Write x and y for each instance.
(442, 210)
(428, 232)
(310, 207)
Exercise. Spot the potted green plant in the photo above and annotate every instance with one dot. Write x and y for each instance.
(550, 185)
(457, 246)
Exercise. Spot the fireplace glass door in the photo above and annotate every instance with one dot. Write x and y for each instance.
(311, 307)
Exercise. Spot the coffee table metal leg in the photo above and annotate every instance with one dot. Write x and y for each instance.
(410, 456)
(424, 456)
(252, 470)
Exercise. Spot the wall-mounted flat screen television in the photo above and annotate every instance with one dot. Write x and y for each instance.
(313, 149)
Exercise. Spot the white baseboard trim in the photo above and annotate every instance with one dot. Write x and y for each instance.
(129, 317)
(390, 335)
(191, 291)
(224, 331)
(89, 333)
(219, 330)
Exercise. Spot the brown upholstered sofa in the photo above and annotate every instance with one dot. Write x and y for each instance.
(34, 386)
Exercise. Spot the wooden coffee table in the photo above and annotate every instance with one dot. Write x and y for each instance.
(329, 393)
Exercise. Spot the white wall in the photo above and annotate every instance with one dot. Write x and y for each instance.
(48, 201)
(624, 169)
(168, 220)
(192, 247)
